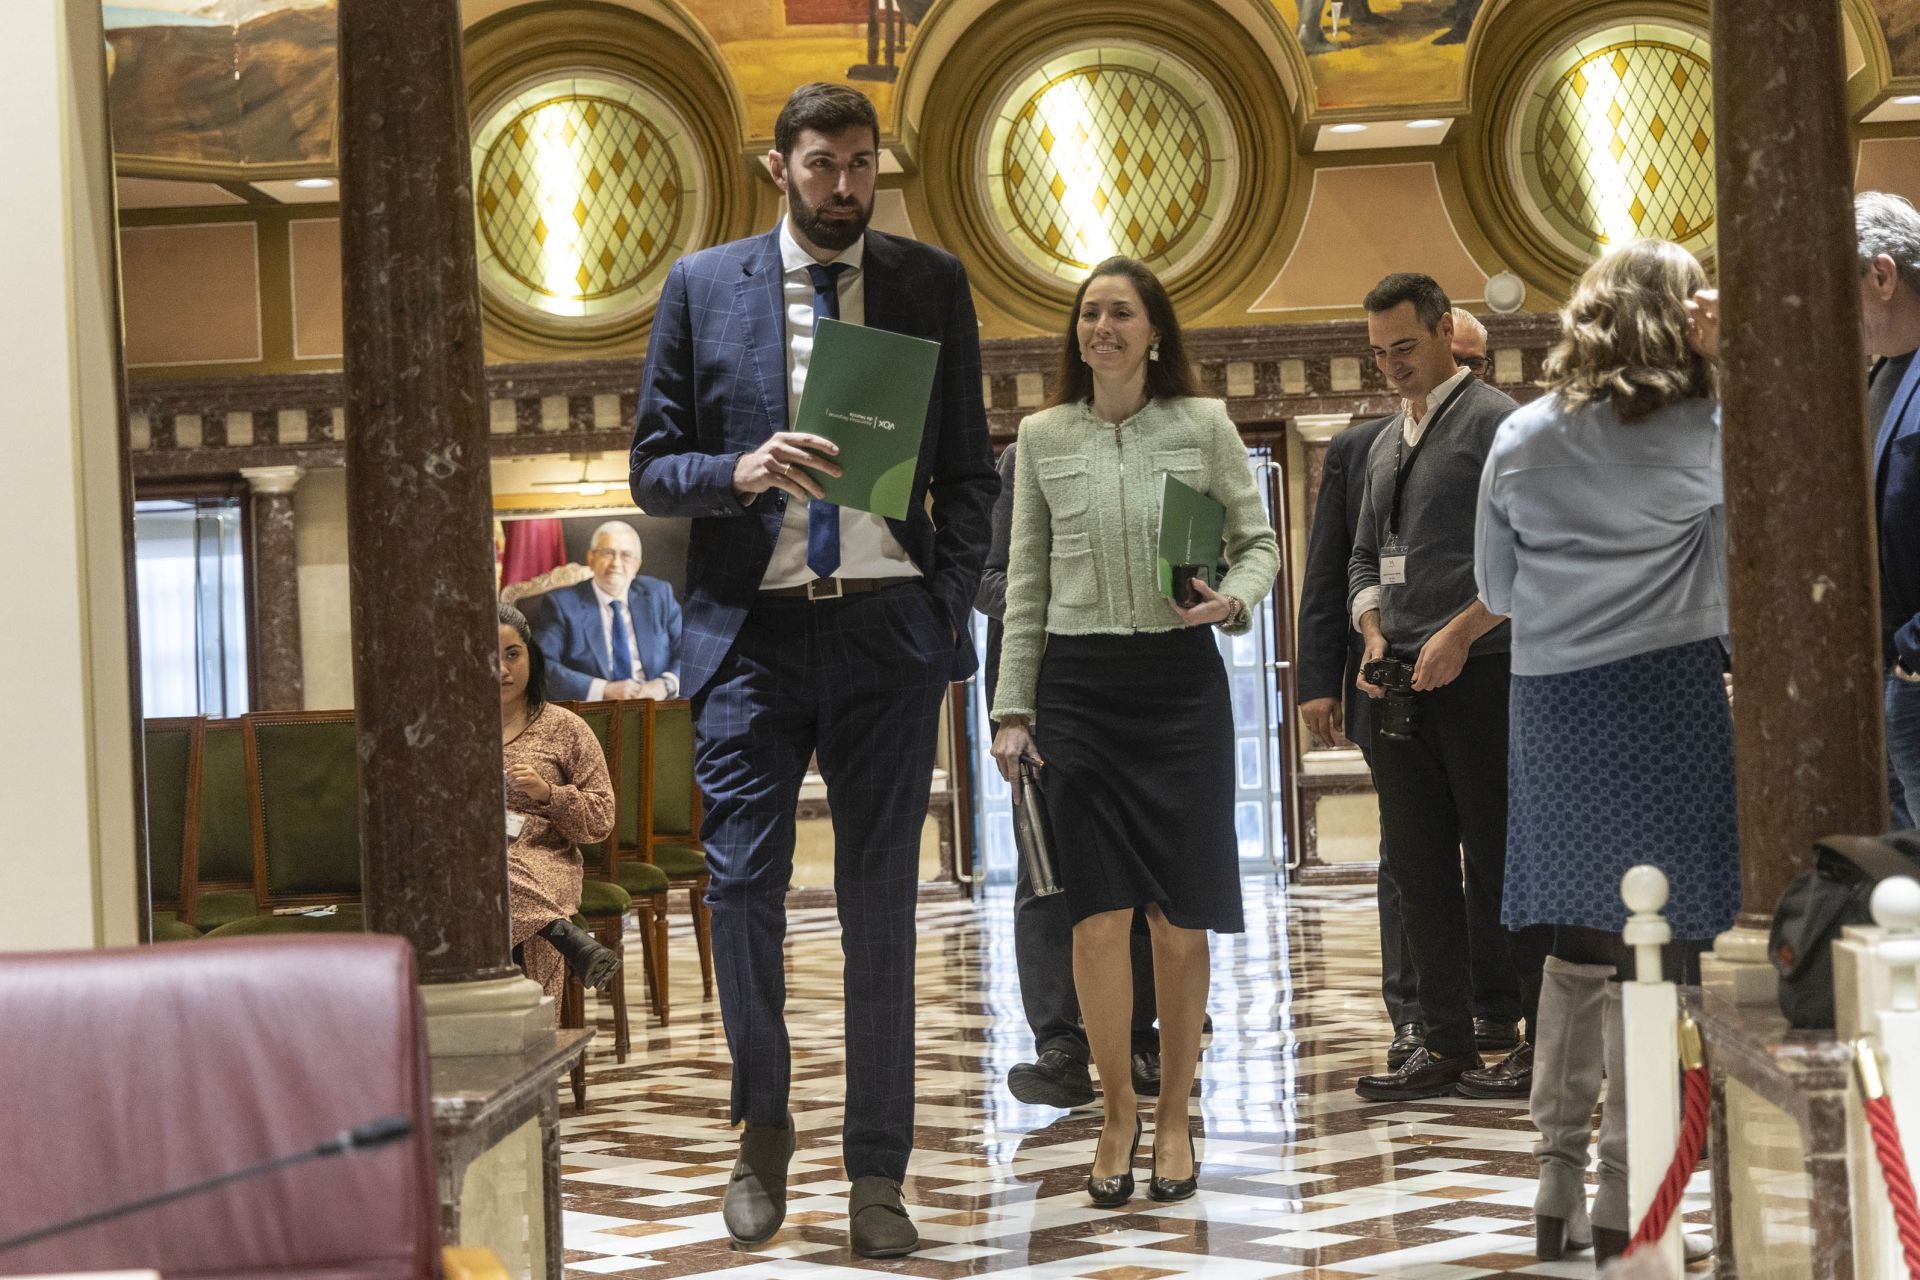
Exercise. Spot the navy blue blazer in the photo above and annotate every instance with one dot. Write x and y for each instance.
(1896, 486)
(1330, 649)
(574, 643)
(715, 387)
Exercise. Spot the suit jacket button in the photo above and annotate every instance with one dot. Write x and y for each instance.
(780, 500)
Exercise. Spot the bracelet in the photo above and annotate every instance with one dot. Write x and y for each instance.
(1236, 612)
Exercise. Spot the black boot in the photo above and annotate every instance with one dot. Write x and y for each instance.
(592, 963)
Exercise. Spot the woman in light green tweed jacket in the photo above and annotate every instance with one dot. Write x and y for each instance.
(1126, 692)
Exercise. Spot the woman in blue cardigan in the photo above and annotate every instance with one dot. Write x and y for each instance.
(1602, 534)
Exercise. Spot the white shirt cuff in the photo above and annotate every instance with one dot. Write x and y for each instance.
(596, 691)
(673, 685)
(1366, 602)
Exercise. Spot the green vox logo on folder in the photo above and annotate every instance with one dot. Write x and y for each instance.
(867, 391)
(1193, 531)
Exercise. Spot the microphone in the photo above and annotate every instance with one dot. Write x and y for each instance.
(362, 1137)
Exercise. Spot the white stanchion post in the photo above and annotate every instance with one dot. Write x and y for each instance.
(1886, 964)
(1650, 1009)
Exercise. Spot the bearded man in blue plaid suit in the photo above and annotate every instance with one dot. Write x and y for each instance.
(813, 630)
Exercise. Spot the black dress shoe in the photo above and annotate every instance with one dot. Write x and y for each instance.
(1495, 1035)
(1422, 1075)
(1055, 1080)
(1167, 1190)
(1146, 1073)
(1511, 1077)
(878, 1225)
(1112, 1192)
(1407, 1037)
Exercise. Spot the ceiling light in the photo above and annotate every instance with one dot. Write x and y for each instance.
(313, 184)
(1426, 124)
(1907, 100)
(1346, 128)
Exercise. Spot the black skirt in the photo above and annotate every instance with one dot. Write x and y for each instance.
(1137, 733)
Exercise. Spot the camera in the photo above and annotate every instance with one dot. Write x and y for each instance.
(1398, 714)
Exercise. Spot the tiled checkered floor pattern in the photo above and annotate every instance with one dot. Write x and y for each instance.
(1299, 1176)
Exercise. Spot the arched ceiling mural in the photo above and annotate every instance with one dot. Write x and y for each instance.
(245, 84)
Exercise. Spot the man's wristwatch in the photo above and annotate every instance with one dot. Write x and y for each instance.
(1901, 673)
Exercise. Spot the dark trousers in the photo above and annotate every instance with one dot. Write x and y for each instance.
(857, 682)
(1399, 984)
(1043, 957)
(1443, 792)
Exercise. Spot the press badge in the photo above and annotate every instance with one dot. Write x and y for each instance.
(1393, 565)
(516, 822)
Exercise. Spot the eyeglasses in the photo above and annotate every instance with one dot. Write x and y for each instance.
(1479, 364)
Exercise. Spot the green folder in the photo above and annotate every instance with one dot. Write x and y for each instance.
(1193, 530)
(868, 391)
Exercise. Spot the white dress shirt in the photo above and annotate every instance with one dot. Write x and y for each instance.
(597, 689)
(1411, 429)
(868, 548)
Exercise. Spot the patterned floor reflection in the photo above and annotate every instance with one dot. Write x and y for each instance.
(1299, 1176)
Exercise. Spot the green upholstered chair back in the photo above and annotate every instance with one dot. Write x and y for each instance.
(630, 799)
(603, 719)
(169, 774)
(306, 814)
(671, 749)
(226, 813)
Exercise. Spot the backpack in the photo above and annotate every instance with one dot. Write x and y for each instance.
(1818, 904)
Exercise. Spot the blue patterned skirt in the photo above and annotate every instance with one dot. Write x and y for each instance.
(1617, 765)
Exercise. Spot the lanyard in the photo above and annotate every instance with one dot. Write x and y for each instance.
(1404, 458)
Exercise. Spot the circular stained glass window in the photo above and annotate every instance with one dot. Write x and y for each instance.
(1108, 149)
(1615, 140)
(586, 188)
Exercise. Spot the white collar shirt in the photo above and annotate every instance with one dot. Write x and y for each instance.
(597, 689)
(868, 548)
(1411, 431)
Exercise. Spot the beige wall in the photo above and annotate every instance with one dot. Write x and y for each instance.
(193, 294)
(66, 785)
(326, 631)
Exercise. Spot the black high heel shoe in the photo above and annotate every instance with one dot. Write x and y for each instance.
(1167, 1190)
(1111, 1193)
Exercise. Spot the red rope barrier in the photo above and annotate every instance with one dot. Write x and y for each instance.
(1893, 1168)
(1693, 1135)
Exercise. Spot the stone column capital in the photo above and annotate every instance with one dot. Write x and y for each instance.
(271, 479)
(1317, 428)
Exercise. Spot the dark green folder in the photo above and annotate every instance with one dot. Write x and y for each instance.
(868, 392)
(1193, 530)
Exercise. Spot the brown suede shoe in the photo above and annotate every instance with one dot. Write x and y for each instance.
(1422, 1075)
(1511, 1077)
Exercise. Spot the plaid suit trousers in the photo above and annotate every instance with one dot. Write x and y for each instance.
(858, 681)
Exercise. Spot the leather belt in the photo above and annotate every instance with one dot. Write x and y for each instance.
(834, 588)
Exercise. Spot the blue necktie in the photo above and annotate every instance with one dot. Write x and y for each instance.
(823, 518)
(622, 655)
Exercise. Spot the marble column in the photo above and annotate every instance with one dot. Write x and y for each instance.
(1316, 432)
(1802, 553)
(276, 590)
(419, 525)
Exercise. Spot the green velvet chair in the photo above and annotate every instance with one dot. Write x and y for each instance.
(672, 839)
(605, 900)
(303, 786)
(172, 758)
(223, 844)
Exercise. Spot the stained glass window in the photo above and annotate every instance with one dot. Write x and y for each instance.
(1108, 149)
(1615, 140)
(586, 189)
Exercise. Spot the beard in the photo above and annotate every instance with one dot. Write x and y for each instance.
(832, 235)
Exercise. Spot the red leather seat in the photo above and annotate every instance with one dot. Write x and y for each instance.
(130, 1071)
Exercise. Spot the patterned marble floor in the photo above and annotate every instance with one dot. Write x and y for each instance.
(1300, 1177)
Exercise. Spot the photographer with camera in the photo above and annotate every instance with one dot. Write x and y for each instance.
(1435, 660)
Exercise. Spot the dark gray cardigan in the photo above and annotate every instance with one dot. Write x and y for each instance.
(1436, 523)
